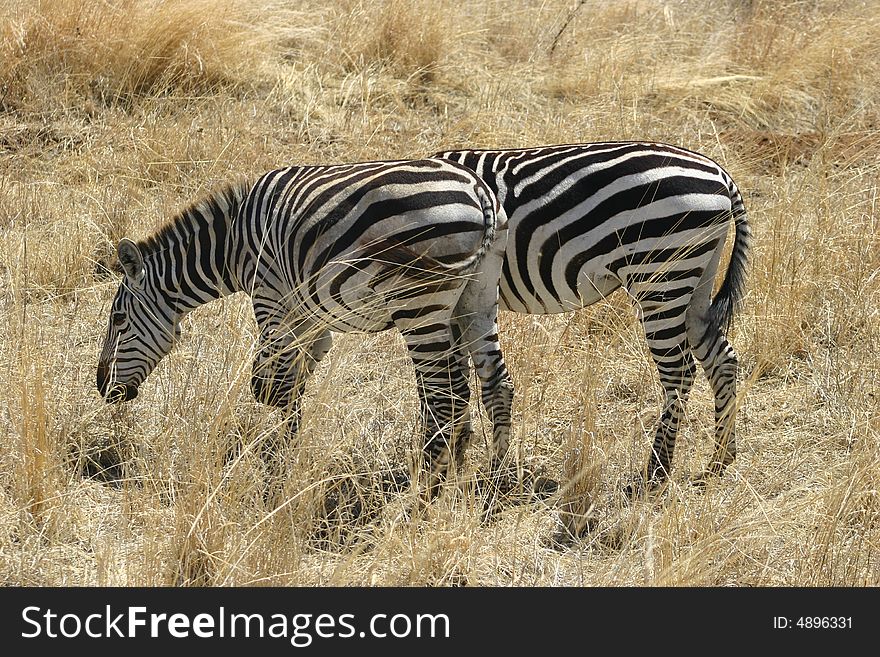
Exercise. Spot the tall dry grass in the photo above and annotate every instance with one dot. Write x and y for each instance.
(113, 115)
(113, 52)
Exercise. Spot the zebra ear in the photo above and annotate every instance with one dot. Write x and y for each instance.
(131, 260)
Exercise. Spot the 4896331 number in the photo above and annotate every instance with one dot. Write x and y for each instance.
(824, 622)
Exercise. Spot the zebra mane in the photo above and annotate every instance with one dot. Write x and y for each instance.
(220, 204)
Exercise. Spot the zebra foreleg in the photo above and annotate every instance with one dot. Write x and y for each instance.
(279, 385)
(279, 379)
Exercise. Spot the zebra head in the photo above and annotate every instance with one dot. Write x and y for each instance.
(144, 325)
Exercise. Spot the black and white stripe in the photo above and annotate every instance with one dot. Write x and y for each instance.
(360, 247)
(585, 219)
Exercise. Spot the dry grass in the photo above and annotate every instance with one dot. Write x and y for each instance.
(115, 114)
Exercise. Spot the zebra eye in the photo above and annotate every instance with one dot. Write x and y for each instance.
(118, 318)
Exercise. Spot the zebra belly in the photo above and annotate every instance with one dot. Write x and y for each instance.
(348, 298)
(594, 283)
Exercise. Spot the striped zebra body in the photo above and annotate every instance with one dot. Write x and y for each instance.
(361, 247)
(586, 219)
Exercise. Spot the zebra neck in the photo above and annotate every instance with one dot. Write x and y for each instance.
(192, 256)
(203, 273)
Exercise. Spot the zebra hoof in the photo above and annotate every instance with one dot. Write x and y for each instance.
(635, 489)
(544, 487)
(573, 528)
(396, 481)
(640, 488)
(269, 392)
(701, 481)
(713, 471)
(430, 488)
(120, 393)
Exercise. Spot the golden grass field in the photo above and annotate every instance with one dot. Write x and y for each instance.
(116, 114)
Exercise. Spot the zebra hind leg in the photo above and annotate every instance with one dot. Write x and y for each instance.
(444, 396)
(667, 340)
(719, 362)
(462, 363)
(476, 319)
(279, 382)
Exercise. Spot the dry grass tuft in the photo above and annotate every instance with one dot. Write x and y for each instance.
(582, 471)
(411, 38)
(113, 52)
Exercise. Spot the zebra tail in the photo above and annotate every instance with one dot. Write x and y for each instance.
(490, 225)
(729, 298)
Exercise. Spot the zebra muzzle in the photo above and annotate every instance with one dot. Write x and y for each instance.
(120, 392)
(113, 392)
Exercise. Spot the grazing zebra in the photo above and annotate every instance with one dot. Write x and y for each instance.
(359, 247)
(585, 219)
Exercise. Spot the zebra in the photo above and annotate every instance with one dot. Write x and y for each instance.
(364, 247)
(652, 218)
